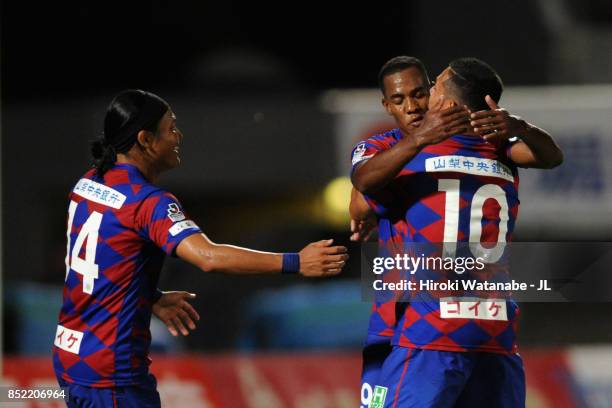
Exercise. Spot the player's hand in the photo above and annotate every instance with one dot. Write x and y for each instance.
(496, 125)
(362, 230)
(439, 125)
(176, 313)
(322, 259)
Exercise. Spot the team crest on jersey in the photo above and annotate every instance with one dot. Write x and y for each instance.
(174, 212)
(358, 154)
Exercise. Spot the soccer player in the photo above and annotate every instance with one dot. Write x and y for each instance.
(396, 190)
(405, 85)
(120, 228)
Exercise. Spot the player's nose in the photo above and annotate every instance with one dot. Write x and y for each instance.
(411, 106)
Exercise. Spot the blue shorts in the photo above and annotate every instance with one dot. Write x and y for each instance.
(446, 379)
(143, 395)
(375, 350)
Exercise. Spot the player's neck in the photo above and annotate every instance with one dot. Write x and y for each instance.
(150, 172)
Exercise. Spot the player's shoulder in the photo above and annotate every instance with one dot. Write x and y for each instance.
(367, 148)
(376, 143)
(466, 145)
(96, 189)
(155, 193)
(122, 184)
(389, 137)
(128, 180)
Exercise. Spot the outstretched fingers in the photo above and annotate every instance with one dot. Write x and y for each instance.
(487, 121)
(455, 110)
(170, 325)
(179, 324)
(193, 314)
(492, 104)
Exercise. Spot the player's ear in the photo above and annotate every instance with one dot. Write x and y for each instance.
(385, 105)
(145, 138)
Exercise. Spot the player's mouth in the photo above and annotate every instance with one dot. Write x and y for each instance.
(415, 121)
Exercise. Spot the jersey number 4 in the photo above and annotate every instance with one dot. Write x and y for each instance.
(89, 231)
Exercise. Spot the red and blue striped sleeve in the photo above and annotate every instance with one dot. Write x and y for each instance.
(162, 220)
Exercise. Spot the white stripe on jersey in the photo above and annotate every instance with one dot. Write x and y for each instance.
(469, 165)
(473, 308)
(99, 193)
(69, 340)
(181, 226)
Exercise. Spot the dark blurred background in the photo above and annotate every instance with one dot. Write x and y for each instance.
(64, 50)
(245, 80)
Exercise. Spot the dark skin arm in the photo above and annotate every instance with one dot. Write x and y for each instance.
(437, 126)
(536, 148)
(363, 219)
(316, 259)
(359, 208)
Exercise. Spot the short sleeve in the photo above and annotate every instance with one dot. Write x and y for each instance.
(161, 220)
(366, 149)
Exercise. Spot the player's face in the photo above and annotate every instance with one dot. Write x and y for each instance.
(406, 96)
(438, 93)
(166, 143)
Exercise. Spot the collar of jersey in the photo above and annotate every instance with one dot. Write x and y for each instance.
(132, 170)
(464, 139)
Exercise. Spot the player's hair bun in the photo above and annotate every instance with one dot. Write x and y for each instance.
(104, 155)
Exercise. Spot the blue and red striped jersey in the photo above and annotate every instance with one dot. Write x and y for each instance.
(392, 232)
(120, 228)
(462, 190)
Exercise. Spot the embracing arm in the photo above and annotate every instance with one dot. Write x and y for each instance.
(536, 147)
(316, 259)
(374, 174)
(437, 126)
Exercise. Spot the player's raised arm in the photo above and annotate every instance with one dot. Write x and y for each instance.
(536, 148)
(316, 259)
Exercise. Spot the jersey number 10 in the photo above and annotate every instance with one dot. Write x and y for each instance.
(89, 231)
(451, 219)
